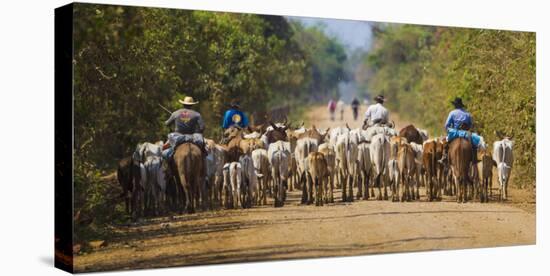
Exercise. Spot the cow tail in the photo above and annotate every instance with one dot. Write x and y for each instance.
(503, 148)
(434, 157)
(186, 165)
(383, 156)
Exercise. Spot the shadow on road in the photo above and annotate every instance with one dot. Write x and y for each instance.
(262, 253)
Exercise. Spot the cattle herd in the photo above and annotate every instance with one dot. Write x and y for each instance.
(253, 164)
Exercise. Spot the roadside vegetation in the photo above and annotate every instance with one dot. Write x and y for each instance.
(420, 69)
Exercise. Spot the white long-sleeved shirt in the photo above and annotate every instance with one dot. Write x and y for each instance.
(377, 112)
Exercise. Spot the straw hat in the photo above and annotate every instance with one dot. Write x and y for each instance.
(188, 101)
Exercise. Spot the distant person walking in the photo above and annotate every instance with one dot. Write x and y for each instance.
(341, 106)
(355, 107)
(331, 108)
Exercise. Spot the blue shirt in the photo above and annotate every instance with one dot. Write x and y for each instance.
(457, 118)
(234, 117)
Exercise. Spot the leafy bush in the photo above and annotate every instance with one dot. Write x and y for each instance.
(421, 69)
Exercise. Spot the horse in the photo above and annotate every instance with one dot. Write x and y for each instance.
(460, 160)
(189, 165)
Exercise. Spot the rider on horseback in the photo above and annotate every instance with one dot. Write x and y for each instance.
(234, 117)
(377, 113)
(189, 127)
(458, 125)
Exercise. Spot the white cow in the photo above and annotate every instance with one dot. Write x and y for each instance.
(364, 170)
(394, 175)
(214, 168)
(144, 150)
(249, 179)
(261, 165)
(279, 159)
(504, 157)
(334, 133)
(363, 163)
(304, 147)
(379, 156)
(232, 174)
(153, 183)
(346, 163)
(330, 155)
(378, 129)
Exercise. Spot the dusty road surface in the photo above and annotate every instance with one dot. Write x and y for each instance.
(298, 231)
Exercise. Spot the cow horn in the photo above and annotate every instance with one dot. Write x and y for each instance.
(325, 135)
(392, 124)
(302, 124)
(498, 133)
(365, 124)
(273, 125)
(348, 126)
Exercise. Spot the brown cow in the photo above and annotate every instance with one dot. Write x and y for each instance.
(189, 164)
(430, 156)
(233, 137)
(407, 168)
(315, 134)
(485, 173)
(128, 175)
(407, 171)
(412, 134)
(460, 161)
(330, 156)
(278, 133)
(318, 171)
(247, 145)
(293, 180)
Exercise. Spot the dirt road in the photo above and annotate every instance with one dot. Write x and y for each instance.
(340, 229)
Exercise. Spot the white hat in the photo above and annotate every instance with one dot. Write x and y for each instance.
(188, 101)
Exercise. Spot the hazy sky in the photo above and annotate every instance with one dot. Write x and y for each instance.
(353, 34)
